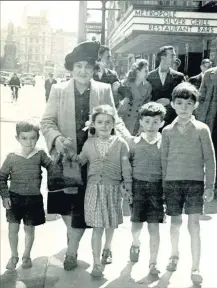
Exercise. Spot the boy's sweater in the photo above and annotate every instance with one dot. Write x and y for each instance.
(146, 159)
(110, 169)
(25, 174)
(185, 155)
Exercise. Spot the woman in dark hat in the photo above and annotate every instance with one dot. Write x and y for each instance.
(67, 110)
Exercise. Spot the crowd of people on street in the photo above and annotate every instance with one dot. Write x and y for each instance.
(149, 139)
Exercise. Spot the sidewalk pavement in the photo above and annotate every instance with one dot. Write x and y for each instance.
(50, 246)
(30, 104)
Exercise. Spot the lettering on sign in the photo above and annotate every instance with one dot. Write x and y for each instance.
(168, 21)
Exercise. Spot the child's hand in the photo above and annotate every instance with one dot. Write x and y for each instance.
(7, 203)
(208, 195)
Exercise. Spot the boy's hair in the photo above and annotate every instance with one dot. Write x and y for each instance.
(186, 91)
(27, 126)
(152, 109)
(102, 109)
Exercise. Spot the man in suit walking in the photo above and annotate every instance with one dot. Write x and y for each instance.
(207, 110)
(103, 74)
(48, 83)
(196, 80)
(164, 79)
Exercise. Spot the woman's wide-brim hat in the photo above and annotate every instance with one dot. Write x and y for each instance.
(84, 51)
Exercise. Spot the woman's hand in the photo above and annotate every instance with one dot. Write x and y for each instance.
(59, 144)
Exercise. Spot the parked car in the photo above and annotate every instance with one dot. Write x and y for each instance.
(28, 79)
(5, 77)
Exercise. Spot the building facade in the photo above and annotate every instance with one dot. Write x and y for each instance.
(40, 47)
(140, 28)
(34, 43)
(62, 44)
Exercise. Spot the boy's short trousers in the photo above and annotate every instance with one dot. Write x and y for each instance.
(186, 194)
(28, 208)
(147, 203)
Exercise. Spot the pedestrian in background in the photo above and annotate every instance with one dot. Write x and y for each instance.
(103, 74)
(48, 83)
(23, 199)
(15, 84)
(207, 110)
(147, 191)
(188, 164)
(108, 159)
(164, 79)
(197, 80)
(136, 91)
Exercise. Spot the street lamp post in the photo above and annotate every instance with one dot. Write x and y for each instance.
(103, 9)
(103, 22)
(82, 20)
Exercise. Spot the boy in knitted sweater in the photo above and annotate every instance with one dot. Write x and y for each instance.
(23, 199)
(188, 164)
(147, 205)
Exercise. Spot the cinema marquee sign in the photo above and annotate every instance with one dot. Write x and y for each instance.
(177, 21)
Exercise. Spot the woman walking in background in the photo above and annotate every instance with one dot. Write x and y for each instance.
(136, 91)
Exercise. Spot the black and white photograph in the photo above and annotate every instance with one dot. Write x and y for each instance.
(108, 147)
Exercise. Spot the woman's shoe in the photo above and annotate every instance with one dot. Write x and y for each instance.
(196, 277)
(173, 261)
(134, 253)
(97, 271)
(27, 263)
(153, 269)
(106, 257)
(70, 262)
(12, 263)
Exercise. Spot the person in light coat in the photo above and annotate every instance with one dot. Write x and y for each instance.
(68, 109)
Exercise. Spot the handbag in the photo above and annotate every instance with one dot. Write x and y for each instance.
(63, 173)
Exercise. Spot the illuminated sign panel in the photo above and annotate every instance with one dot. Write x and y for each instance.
(176, 21)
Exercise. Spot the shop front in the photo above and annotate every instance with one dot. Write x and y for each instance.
(144, 31)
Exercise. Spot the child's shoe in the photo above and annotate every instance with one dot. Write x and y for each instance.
(70, 262)
(134, 253)
(27, 263)
(173, 261)
(12, 263)
(153, 269)
(97, 271)
(196, 277)
(106, 257)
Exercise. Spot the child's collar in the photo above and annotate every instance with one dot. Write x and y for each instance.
(192, 120)
(143, 135)
(18, 152)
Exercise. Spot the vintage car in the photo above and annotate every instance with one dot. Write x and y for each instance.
(5, 77)
(28, 79)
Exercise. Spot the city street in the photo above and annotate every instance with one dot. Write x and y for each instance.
(50, 244)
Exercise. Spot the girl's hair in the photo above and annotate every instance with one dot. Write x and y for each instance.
(186, 91)
(102, 109)
(137, 66)
(27, 126)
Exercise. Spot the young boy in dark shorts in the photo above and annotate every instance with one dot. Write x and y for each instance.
(147, 205)
(188, 164)
(23, 199)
